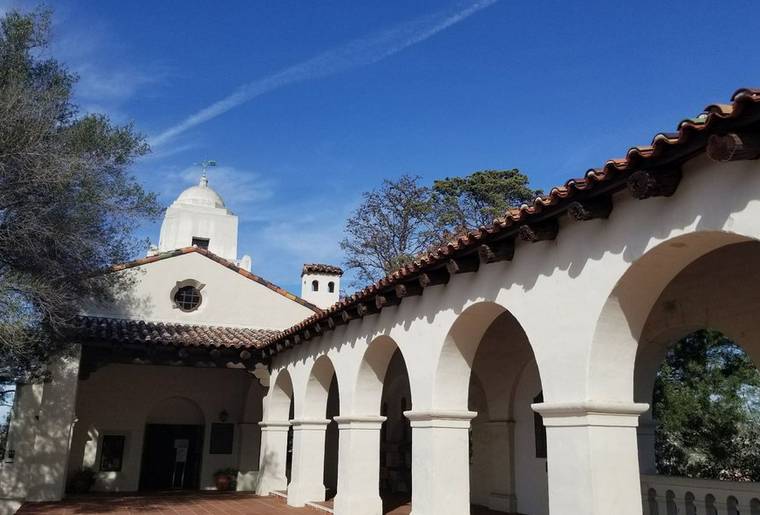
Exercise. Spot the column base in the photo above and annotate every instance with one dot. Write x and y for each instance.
(348, 505)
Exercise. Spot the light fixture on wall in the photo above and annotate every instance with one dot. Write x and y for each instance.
(223, 415)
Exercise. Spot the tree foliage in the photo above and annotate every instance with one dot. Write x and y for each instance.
(477, 199)
(706, 407)
(68, 205)
(393, 224)
(403, 218)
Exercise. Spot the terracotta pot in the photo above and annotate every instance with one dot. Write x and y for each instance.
(222, 483)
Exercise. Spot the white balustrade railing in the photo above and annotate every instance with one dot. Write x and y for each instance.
(666, 495)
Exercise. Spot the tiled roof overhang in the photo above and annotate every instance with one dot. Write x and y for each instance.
(227, 264)
(316, 268)
(652, 170)
(109, 331)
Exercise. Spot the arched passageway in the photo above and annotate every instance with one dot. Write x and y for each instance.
(396, 436)
(375, 449)
(315, 445)
(508, 463)
(709, 307)
(488, 374)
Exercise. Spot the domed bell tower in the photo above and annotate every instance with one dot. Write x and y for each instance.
(199, 218)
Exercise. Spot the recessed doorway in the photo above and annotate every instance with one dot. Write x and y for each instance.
(171, 457)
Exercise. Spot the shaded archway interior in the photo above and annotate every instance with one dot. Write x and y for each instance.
(396, 435)
(720, 290)
(508, 446)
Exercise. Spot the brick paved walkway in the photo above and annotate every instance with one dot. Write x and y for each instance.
(191, 503)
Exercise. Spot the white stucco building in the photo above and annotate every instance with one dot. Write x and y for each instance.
(511, 369)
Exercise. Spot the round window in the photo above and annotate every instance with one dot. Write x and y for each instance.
(187, 298)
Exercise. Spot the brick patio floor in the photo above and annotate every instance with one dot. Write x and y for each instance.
(191, 503)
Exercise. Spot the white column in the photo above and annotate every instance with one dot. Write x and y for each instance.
(359, 465)
(592, 457)
(440, 462)
(307, 471)
(273, 456)
(19, 453)
(501, 449)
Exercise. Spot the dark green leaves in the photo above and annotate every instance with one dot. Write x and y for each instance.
(68, 205)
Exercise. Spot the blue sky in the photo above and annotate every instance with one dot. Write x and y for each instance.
(338, 94)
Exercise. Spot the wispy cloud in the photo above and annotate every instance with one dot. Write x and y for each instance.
(284, 234)
(360, 52)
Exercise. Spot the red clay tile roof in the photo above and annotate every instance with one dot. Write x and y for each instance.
(228, 264)
(114, 330)
(666, 149)
(316, 268)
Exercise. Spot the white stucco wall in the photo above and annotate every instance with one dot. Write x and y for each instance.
(229, 299)
(118, 399)
(40, 434)
(582, 301)
(184, 222)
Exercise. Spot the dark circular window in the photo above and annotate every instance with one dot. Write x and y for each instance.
(187, 298)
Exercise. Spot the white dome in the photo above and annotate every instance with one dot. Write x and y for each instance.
(201, 195)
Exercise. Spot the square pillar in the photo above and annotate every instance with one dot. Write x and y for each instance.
(273, 456)
(307, 472)
(52, 426)
(592, 457)
(500, 438)
(359, 465)
(440, 462)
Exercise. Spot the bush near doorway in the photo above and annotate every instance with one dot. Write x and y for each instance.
(225, 479)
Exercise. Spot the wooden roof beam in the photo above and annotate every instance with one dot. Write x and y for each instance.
(463, 264)
(644, 184)
(540, 231)
(735, 146)
(503, 250)
(590, 209)
(434, 277)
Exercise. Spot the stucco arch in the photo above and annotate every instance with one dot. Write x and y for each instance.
(176, 410)
(371, 375)
(280, 397)
(453, 371)
(318, 388)
(619, 327)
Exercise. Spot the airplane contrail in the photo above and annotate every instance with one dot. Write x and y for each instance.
(363, 51)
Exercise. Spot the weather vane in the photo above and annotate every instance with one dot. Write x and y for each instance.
(204, 167)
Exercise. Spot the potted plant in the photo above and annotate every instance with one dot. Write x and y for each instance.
(225, 479)
(81, 481)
